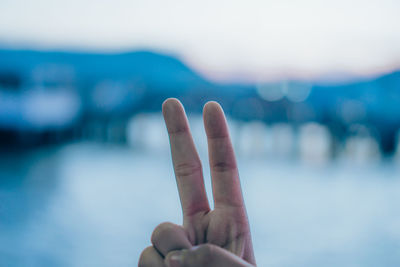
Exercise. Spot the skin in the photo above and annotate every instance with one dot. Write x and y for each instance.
(219, 237)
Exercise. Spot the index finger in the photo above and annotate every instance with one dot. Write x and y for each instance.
(186, 161)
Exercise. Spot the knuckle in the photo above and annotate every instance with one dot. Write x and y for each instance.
(223, 166)
(145, 258)
(178, 129)
(187, 169)
(160, 230)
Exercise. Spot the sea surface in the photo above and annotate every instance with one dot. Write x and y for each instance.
(87, 204)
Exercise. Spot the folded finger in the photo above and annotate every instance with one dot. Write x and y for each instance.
(151, 258)
(205, 255)
(167, 237)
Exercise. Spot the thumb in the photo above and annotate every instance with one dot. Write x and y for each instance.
(204, 255)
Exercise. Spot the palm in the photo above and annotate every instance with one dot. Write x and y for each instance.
(235, 237)
(227, 225)
(220, 227)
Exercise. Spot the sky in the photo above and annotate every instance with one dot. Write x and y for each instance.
(226, 40)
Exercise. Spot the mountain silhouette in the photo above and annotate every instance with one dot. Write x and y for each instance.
(156, 70)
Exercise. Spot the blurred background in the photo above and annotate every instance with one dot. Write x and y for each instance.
(311, 90)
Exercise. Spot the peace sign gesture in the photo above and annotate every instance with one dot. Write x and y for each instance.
(218, 237)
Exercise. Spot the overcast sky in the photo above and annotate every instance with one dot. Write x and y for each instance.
(225, 40)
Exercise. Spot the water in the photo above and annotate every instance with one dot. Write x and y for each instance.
(96, 205)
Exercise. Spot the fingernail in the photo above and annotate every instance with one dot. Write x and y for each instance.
(175, 260)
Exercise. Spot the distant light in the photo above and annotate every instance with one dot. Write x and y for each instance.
(298, 92)
(361, 149)
(314, 143)
(271, 92)
(293, 91)
(283, 140)
(147, 131)
(361, 145)
(46, 109)
(255, 140)
(110, 96)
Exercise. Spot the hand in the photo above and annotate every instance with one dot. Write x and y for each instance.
(223, 233)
